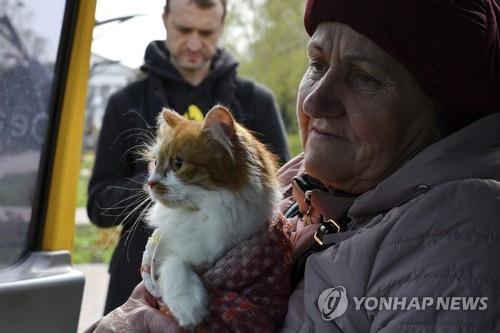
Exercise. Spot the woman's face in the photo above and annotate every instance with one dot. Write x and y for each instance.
(361, 114)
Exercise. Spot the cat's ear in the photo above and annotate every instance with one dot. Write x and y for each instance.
(172, 118)
(220, 117)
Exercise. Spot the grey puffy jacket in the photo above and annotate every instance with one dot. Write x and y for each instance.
(430, 232)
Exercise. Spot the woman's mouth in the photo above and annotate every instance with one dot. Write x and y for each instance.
(325, 133)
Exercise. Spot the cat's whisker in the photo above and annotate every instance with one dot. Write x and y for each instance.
(132, 199)
(144, 211)
(141, 160)
(137, 129)
(141, 136)
(140, 116)
(137, 182)
(144, 155)
(136, 224)
(127, 188)
(137, 203)
(136, 147)
(144, 205)
(136, 189)
(144, 134)
(123, 209)
(121, 201)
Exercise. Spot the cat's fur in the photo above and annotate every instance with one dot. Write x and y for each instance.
(213, 186)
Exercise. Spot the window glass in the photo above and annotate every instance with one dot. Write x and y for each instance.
(30, 33)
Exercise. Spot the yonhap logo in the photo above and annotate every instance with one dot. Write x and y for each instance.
(333, 303)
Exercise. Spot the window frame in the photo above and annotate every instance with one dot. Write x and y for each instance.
(55, 106)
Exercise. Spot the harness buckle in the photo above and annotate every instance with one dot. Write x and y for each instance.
(327, 227)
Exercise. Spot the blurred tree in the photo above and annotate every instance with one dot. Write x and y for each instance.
(16, 29)
(270, 41)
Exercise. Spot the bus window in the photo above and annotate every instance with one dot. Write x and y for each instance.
(29, 42)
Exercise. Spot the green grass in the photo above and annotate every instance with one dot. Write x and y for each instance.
(83, 181)
(88, 160)
(94, 245)
(81, 193)
(294, 143)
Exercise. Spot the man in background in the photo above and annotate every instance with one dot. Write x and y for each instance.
(189, 74)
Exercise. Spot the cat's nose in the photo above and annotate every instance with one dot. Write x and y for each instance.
(152, 183)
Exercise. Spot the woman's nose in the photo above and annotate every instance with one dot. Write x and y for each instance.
(325, 99)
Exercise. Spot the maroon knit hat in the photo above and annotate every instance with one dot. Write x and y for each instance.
(452, 47)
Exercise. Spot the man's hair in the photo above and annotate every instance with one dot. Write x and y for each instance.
(203, 4)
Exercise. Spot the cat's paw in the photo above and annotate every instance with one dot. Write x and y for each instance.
(189, 309)
(152, 287)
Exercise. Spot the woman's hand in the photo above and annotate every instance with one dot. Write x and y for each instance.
(138, 314)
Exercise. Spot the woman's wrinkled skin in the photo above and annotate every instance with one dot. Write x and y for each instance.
(138, 314)
(361, 113)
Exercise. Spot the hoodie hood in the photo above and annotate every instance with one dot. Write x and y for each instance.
(157, 62)
(169, 89)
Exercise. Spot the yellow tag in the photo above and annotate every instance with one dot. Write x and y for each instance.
(194, 113)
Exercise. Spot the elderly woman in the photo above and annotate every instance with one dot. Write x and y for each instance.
(396, 199)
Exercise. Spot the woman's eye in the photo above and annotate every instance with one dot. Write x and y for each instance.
(365, 82)
(364, 79)
(177, 163)
(317, 67)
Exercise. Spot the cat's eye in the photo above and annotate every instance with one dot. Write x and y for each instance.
(177, 163)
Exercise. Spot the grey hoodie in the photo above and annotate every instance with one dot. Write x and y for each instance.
(430, 232)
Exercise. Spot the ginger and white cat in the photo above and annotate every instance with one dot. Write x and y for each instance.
(213, 186)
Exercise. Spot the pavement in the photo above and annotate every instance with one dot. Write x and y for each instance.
(94, 293)
(96, 285)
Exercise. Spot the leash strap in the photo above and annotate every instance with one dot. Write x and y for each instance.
(315, 204)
